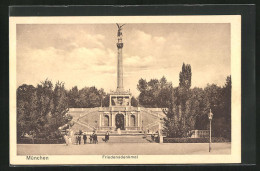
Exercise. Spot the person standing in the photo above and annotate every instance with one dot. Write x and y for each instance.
(91, 139)
(76, 139)
(79, 139)
(95, 138)
(85, 138)
(106, 136)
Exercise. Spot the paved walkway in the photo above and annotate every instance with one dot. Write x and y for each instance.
(123, 148)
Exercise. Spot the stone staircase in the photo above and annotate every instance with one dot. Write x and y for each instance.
(129, 139)
(151, 119)
(87, 120)
(125, 139)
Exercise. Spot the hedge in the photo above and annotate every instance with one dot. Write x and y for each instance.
(195, 140)
(40, 141)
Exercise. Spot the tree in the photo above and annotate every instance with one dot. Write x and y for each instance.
(41, 110)
(26, 110)
(73, 96)
(44, 92)
(164, 96)
(172, 124)
(142, 86)
(134, 101)
(219, 101)
(185, 76)
(90, 97)
(154, 93)
(106, 101)
(225, 105)
(184, 93)
(59, 111)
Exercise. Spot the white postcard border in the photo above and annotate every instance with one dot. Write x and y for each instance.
(234, 157)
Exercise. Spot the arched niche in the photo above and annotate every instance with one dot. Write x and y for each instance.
(132, 120)
(106, 120)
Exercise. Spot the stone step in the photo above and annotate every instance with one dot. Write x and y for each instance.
(123, 139)
(122, 132)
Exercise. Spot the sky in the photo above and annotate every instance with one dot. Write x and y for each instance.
(86, 54)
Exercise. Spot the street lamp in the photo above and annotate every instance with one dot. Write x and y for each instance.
(210, 115)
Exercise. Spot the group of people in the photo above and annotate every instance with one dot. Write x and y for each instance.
(155, 136)
(93, 138)
(78, 138)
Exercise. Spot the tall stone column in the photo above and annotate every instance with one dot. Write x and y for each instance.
(120, 87)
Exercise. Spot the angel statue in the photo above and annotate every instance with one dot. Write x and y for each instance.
(119, 33)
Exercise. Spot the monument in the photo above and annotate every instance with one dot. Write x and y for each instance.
(120, 114)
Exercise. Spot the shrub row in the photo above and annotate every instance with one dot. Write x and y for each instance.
(40, 141)
(195, 140)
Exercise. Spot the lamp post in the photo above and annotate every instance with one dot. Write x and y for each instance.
(210, 115)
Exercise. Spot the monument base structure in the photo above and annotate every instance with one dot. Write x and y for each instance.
(120, 114)
(128, 118)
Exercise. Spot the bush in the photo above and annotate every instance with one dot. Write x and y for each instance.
(195, 140)
(40, 141)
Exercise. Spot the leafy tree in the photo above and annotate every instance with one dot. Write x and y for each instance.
(26, 110)
(41, 110)
(226, 104)
(154, 93)
(142, 85)
(134, 101)
(59, 111)
(44, 92)
(185, 77)
(164, 96)
(184, 94)
(106, 101)
(187, 109)
(172, 122)
(73, 96)
(89, 97)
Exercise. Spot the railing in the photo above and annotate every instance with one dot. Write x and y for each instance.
(200, 133)
(155, 114)
(86, 125)
(92, 111)
(153, 127)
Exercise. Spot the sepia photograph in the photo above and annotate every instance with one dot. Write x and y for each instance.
(125, 90)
